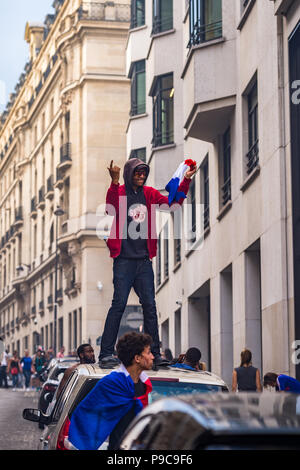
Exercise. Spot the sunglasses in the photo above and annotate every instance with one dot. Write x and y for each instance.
(140, 173)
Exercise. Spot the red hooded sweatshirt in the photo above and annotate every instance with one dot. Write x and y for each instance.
(116, 205)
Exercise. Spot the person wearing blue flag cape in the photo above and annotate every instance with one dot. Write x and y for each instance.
(116, 399)
(281, 382)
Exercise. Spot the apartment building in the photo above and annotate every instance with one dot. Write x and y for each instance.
(62, 126)
(211, 80)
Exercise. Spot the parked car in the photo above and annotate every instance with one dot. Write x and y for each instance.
(165, 381)
(217, 421)
(50, 385)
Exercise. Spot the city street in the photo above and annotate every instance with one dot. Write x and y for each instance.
(17, 433)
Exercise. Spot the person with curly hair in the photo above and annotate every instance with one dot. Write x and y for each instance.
(117, 398)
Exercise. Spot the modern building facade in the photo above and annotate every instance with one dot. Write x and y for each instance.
(62, 126)
(211, 80)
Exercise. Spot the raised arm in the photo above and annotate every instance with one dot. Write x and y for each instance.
(112, 196)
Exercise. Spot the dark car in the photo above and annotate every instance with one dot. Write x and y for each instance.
(50, 385)
(213, 421)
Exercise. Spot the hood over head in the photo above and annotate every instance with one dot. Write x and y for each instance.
(129, 168)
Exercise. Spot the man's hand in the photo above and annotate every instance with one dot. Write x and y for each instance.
(189, 173)
(114, 172)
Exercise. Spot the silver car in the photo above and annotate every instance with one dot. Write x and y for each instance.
(166, 382)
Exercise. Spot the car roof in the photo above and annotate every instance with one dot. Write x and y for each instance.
(182, 375)
(243, 412)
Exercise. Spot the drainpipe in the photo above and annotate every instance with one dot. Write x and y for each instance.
(282, 146)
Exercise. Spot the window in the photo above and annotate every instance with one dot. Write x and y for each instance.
(226, 186)
(139, 153)
(158, 262)
(205, 192)
(252, 154)
(205, 21)
(177, 235)
(138, 88)
(163, 111)
(137, 13)
(162, 16)
(192, 213)
(166, 250)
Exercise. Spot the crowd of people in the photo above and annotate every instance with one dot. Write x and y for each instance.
(19, 371)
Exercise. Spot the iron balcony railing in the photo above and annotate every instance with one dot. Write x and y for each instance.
(42, 194)
(226, 191)
(206, 217)
(252, 157)
(65, 152)
(59, 175)
(19, 214)
(162, 137)
(33, 204)
(204, 32)
(50, 184)
(161, 24)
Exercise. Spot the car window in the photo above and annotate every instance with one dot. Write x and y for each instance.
(63, 397)
(163, 389)
(87, 386)
(55, 372)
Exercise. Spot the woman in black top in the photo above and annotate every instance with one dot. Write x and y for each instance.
(246, 378)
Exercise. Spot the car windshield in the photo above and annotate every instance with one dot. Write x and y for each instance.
(163, 389)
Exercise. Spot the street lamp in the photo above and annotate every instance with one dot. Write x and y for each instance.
(58, 212)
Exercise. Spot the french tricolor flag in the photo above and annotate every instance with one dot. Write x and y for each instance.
(100, 411)
(174, 183)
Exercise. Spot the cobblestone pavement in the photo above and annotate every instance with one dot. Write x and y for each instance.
(17, 433)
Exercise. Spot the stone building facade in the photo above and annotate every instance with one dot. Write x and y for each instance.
(210, 81)
(62, 126)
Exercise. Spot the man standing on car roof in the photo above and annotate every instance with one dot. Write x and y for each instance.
(132, 244)
(116, 399)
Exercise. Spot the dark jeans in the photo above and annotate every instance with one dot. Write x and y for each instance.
(128, 273)
(27, 375)
(3, 376)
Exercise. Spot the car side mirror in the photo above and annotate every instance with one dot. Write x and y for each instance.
(34, 415)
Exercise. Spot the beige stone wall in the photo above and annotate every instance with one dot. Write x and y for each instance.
(87, 81)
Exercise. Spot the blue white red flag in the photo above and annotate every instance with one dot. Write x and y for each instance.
(100, 411)
(174, 183)
(288, 384)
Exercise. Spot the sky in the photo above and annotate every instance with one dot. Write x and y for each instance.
(14, 50)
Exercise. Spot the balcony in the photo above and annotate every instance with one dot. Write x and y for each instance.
(33, 208)
(24, 319)
(50, 188)
(41, 204)
(207, 120)
(41, 307)
(65, 157)
(18, 218)
(59, 296)
(59, 179)
(7, 237)
(50, 302)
